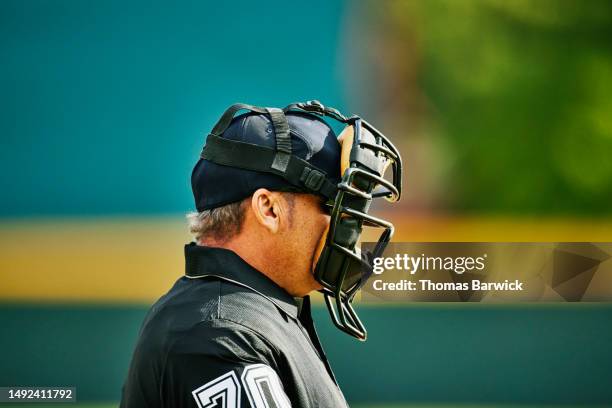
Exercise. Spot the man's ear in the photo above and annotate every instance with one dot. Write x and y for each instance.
(266, 209)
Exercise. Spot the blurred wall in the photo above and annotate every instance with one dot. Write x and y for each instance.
(421, 354)
(105, 104)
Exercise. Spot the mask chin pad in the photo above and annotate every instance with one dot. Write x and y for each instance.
(340, 273)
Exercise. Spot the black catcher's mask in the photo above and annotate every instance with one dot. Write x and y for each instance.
(365, 156)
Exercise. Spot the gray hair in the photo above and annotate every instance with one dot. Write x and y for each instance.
(220, 223)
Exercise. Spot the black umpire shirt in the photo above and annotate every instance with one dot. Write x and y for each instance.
(225, 335)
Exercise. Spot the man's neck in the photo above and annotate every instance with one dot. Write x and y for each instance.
(252, 253)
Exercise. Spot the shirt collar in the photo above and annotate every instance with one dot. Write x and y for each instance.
(203, 261)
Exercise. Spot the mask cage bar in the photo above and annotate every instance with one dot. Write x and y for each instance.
(353, 172)
(341, 310)
(384, 147)
(368, 220)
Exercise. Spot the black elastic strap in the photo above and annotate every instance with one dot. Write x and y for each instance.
(317, 108)
(279, 123)
(283, 139)
(249, 156)
(228, 115)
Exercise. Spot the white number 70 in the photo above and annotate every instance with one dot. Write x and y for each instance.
(261, 383)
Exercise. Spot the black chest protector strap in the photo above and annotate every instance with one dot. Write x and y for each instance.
(279, 161)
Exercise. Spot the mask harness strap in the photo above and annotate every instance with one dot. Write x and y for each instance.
(317, 108)
(279, 161)
(283, 139)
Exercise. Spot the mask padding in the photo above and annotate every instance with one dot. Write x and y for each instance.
(347, 232)
(353, 275)
(334, 265)
(356, 203)
(346, 139)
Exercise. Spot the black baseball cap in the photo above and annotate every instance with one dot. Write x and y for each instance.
(312, 140)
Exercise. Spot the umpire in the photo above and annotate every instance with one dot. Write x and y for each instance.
(236, 330)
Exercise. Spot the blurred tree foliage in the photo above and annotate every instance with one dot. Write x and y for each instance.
(522, 93)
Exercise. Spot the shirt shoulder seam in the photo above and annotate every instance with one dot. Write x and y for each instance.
(265, 340)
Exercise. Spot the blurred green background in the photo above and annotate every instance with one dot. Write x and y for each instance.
(501, 110)
(514, 93)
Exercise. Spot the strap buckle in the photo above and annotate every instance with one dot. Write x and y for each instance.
(318, 108)
(313, 106)
(312, 179)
